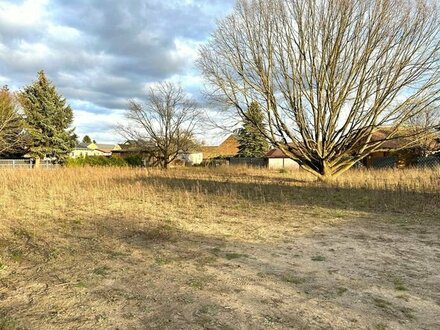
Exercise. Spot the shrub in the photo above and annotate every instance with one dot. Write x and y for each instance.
(134, 161)
(97, 161)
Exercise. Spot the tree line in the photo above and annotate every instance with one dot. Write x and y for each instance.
(314, 78)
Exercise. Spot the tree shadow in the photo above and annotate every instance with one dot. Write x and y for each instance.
(295, 193)
(145, 272)
(202, 274)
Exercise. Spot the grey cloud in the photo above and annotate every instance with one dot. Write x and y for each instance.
(102, 51)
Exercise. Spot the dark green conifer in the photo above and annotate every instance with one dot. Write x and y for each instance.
(252, 142)
(48, 119)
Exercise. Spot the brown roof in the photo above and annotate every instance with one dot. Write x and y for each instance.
(228, 148)
(397, 142)
(275, 153)
(402, 139)
(106, 151)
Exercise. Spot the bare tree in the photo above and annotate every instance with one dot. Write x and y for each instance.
(426, 125)
(10, 122)
(167, 120)
(328, 73)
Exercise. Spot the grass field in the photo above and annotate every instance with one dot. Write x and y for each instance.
(90, 248)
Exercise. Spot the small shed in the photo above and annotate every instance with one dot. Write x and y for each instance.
(276, 159)
(191, 158)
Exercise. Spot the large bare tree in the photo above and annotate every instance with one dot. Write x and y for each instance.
(328, 73)
(167, 120)
(11, 127)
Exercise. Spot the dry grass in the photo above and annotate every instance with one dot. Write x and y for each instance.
(218, 248)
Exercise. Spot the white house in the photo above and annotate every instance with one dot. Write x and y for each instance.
(93, 149)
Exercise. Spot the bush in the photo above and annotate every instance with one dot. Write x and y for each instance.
(97, 161)
(134, 161)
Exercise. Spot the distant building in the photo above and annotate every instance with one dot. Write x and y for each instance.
(399, 151)
(144, 150)
(93, 149)
(191, 157)
(276, 159)
(228, 148)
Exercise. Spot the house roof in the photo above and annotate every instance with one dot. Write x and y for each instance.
(81, 146)
(103, 146)
(402, 139)
(133, 146)
(228, 148)
(275, 153)
(106, 151)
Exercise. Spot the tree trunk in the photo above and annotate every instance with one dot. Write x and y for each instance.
(325, 171)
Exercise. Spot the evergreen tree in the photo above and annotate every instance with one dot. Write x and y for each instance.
(86, 139)
(48, 119)
(252, 142)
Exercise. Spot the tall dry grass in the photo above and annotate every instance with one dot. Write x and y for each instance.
(95, 191)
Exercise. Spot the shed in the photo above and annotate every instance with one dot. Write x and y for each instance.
(276, 159)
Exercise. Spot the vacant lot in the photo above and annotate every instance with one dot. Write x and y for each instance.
(218, 249)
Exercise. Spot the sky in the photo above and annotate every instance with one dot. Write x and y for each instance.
(102, 53)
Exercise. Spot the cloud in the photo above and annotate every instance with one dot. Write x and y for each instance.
(102, 53)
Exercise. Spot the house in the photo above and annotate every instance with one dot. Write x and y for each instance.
(396, 152)
(107, 149)
(400, 151)
(143, 150)
(228, 148)
(276, 159)
(93, 149)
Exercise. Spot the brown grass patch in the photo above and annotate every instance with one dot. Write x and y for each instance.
(213, 248)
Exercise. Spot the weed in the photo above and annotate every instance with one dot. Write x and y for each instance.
(17, 255)
(341, 290)
(408, 313)
(382, 303)
(8, 323)
(404, 297)
(117, 254)
(233, 255)
(196, 283)
(162, 261)
(22, 233)
(318, 258)
(398, 284)
(102, 271)
(81, 285)
(272, 319)
(292, 279)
